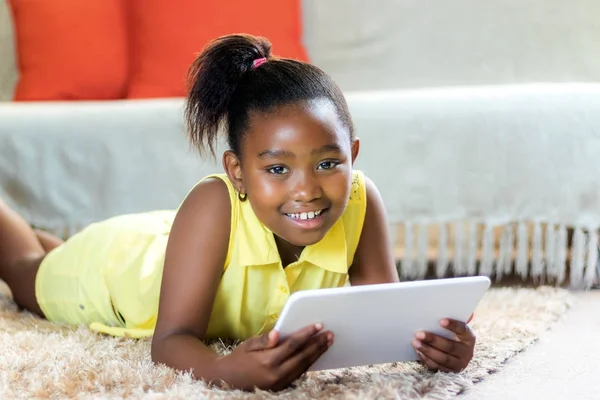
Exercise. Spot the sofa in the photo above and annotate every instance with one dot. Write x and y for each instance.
(482, 170)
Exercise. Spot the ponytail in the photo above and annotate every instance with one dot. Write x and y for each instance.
(214, 77)
(236, 74)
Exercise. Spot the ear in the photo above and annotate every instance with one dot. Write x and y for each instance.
(233, 169)
(355, 148)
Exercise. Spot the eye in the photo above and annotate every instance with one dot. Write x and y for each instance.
(328, 164)
(277, 170)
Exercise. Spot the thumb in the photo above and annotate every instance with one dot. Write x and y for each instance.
(265, 341)
(271, 339)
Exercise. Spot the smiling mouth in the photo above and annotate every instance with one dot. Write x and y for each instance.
(305, 216)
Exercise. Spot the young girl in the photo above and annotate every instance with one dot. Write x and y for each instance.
(288, 214)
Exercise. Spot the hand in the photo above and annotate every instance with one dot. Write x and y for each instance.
(447, 355)
(267, 363)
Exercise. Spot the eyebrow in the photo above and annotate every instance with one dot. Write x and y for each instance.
(275, 153)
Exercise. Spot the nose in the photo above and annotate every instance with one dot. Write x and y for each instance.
(306, 188)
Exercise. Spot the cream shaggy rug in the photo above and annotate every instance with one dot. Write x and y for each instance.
(42, 360)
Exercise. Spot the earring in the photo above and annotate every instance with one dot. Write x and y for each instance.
(242, 196)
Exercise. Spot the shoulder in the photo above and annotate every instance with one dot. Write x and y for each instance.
(207, 203)
(362, 192)
(374, 260)
(371, 191)
(211, 206)
(374, 202)
(212, 190)
(362, 187)
(365, 202)
(357, 190)
(353, 218)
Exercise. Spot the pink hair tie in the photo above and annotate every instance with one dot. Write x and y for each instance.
(258, 62)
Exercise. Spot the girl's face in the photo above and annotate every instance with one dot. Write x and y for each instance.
(296, 168)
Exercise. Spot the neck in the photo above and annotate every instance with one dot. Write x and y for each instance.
(288, 252)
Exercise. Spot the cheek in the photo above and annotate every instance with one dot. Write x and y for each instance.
(266, 189)
(265, 192)
(339, 186)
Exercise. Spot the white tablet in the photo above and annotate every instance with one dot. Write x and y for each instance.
(376, 324)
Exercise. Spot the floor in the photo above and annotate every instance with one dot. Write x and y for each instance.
(563, 364)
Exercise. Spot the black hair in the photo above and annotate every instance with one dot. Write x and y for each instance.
(223, 87)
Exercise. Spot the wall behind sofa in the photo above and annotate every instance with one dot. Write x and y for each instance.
(412, 43)
(380, 44)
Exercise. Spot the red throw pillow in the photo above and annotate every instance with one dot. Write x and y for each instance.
(70, 49)
(165, 39)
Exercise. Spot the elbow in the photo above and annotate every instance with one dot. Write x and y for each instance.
(157, 350)
(166, 345)
(159, 347)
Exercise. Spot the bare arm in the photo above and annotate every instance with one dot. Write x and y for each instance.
(194, 262)
(374, 258)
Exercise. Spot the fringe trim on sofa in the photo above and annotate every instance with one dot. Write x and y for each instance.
(542, 253)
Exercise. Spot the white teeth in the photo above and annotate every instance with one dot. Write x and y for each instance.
(306, 215)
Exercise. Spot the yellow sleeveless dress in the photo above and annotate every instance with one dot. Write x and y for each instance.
(108, 276)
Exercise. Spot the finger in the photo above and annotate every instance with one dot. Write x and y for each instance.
(443, 361)
(295, 342)
(461, 329)
(422, 358)
(471, 318)
(443, 344)
(430, 364)
(263, 342)
(299, 363)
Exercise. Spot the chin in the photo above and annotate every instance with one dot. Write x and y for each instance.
(308, 242)
(304, 239)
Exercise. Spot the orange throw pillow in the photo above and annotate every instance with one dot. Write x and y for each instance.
(165, 39)
(70, 49)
